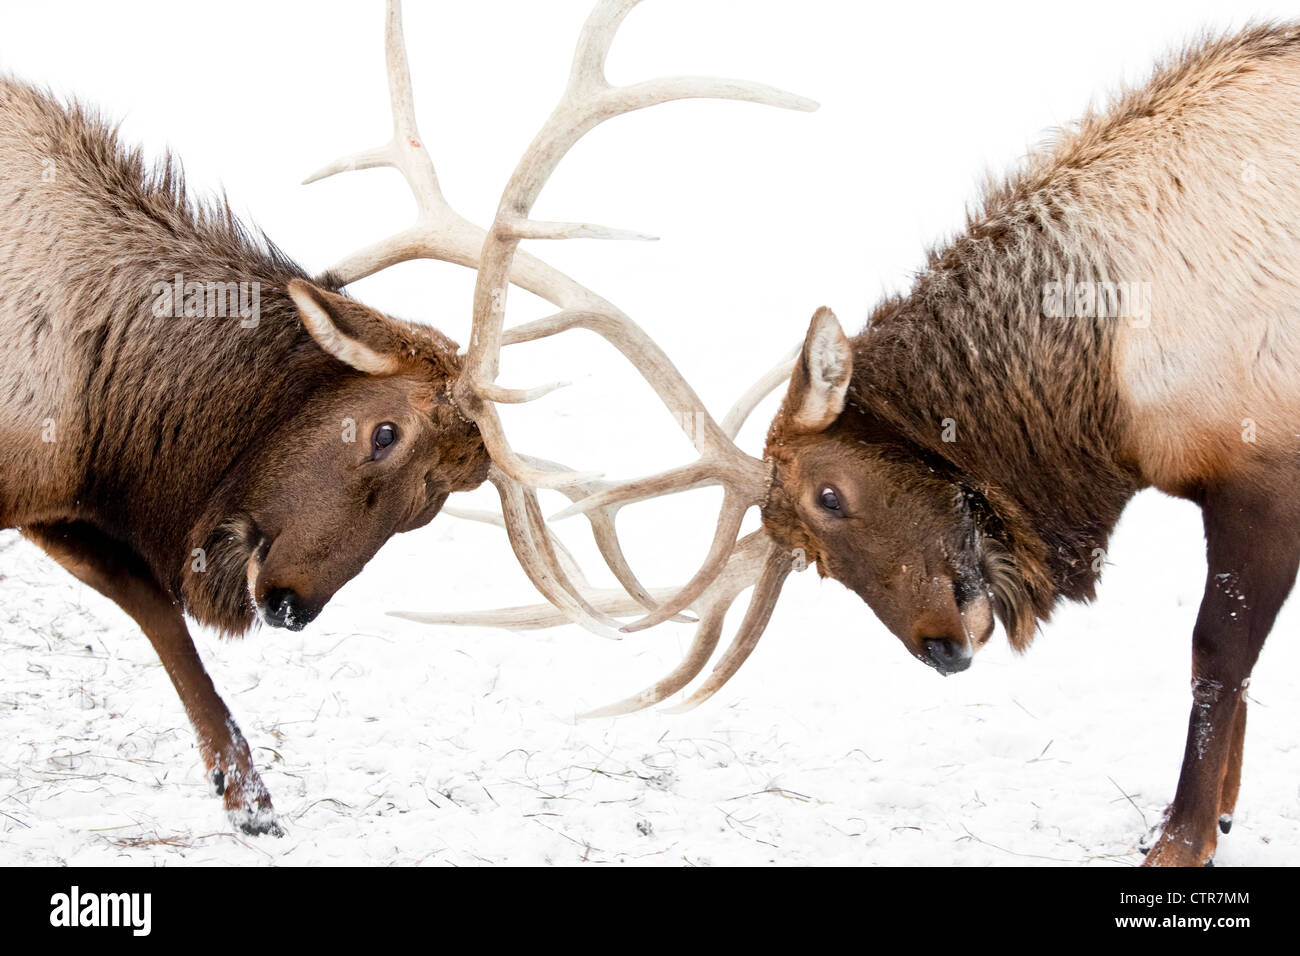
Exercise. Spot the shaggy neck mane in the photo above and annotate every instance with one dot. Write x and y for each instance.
(1029, 401)
(1032, 397)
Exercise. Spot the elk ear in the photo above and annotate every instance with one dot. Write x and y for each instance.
(351, 332)
(821, 376)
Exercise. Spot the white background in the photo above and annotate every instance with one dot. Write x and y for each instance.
(386, 742)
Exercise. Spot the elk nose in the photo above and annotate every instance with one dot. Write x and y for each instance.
(946, 655)
(284, 608)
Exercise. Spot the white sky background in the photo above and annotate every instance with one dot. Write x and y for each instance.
(764, 215)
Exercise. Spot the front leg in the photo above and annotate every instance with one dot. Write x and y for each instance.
(1253, 547)
(118, 573)
(1232, 773)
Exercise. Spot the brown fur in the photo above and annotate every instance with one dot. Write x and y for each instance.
(1187, 185)
(195, 464)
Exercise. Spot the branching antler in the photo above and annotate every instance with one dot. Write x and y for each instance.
(755, 561)
(589, 100)
(441, 233)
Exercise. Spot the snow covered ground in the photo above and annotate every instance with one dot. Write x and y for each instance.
(386, 742)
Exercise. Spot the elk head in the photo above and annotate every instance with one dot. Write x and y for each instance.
(403, 448)
(372, 446)
(885, 518)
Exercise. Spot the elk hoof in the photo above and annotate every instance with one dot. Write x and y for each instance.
(1225, 822)
(1147, 840)
(259, 822)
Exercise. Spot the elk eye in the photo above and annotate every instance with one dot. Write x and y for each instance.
(385, 435)
(829, 499)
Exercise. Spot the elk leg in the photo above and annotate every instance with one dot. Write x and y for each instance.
(118, 573)
(1253, 553)
(1232, 772)
(1228, 789)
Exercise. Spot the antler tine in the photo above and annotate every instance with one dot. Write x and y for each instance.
(683, 479)
(535, 550)
(610, 602)
(744, 406)
(566, 558)
(549, 565)
(721, 462)
(439, 232)
(673, 481)
(677, 479)
(701, 649)
(529, 617)
(602, 521)
(776, 567)
(710, 439)
(603, 531)
(742, 570)
(714, 586)
(730, 519)
(724, 542)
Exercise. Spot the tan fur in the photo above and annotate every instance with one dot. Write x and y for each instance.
(1190, 185)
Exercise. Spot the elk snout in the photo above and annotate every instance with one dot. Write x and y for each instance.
(947, 635)
(284, 607)
(946, 655)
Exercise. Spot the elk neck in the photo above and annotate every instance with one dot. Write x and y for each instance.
(1018, 408)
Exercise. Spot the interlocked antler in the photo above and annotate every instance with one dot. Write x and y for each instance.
(756, 561)
(589, 100)
(441, 233)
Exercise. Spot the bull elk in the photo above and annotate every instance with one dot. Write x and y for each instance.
(247, 469)
(1123, 312)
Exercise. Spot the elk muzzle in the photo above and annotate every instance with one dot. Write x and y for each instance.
(947, 635)
(284, 607)
(946, 655)
(281, 596)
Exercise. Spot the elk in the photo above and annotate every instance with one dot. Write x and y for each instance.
(244, 466)
(1121, 313)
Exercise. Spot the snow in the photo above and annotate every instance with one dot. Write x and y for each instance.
(384, 741)
(388, 742)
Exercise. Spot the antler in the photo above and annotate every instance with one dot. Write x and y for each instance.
(756, 561)
(589, 100)
(441, 233)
